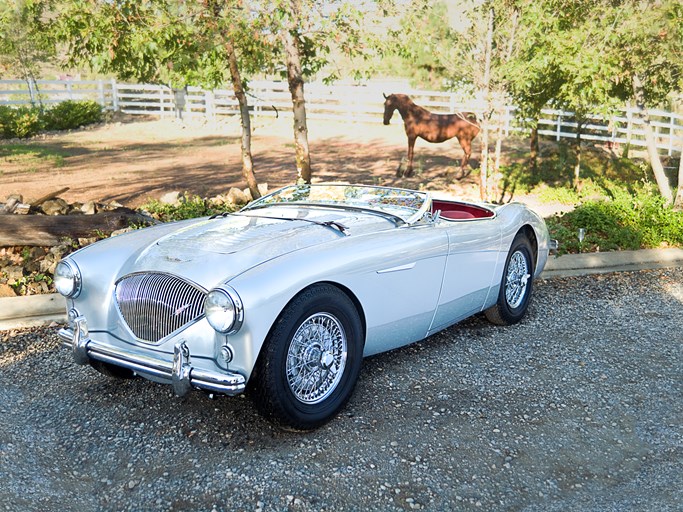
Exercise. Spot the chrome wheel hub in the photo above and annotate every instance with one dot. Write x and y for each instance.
(316, 358)
(516, 280)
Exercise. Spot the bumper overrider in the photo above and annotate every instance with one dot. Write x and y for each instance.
(182, 375)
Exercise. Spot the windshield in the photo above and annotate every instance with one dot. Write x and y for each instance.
(406, 205)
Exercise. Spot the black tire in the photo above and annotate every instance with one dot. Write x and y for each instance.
(111, 370)
(516, 285)
(292, 352)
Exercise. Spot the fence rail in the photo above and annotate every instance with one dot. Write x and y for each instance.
(352, 103)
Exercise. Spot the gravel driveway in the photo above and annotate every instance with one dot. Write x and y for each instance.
(580, 407)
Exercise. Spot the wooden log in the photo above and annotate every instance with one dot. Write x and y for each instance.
(48, 230)
(51, 195)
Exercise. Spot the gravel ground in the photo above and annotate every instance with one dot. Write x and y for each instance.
(580, 407)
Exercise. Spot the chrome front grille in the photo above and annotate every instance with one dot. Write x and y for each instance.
(155, 305)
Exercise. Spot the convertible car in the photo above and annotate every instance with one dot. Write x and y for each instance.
(285, 297)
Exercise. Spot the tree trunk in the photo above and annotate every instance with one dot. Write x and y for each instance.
(296, 88)
(245, 120)
(678, 203)
(483, 185)
(655, 162)
(500, 108)
(533, 150)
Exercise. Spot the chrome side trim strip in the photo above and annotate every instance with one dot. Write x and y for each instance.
(408, 266)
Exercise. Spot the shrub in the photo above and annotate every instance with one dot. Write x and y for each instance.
(72, 114)
(20, 122)
(624, 222)
(192, 207)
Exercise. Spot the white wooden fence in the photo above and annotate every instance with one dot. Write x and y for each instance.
(352, 103)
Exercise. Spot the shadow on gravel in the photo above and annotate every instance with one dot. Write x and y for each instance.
(575, 408)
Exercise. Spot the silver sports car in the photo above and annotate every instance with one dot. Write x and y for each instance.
(284, 298)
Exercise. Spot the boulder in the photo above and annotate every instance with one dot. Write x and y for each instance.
(236, 196)
(55, 207)
(11, 205)
(174, 198)
(7, 291)
(14, 274)
(89, 208)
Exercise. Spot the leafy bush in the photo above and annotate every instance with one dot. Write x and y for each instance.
(72, 114)
(191, 208)
(22, 122)
(623, 222)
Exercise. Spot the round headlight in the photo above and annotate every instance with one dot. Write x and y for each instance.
(223, 309)
(67, 279)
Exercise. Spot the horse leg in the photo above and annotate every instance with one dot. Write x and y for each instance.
(411, 154)
(465, 168)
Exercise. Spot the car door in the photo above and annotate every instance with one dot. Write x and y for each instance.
(473, 250)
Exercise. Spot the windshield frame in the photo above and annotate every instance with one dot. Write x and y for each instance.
(411, 216)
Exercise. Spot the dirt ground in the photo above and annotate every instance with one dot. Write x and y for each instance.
(134, 160)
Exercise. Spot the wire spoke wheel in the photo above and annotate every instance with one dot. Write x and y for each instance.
(310, 362)
(316, 358)
(516, 284)
(516, 279)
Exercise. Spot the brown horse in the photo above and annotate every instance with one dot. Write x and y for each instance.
(419, 122)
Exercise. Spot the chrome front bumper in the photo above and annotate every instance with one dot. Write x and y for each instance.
(181, 374)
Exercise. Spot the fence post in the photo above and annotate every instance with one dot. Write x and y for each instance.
(559, 128)
(209, 109)
(629, 125)
(114, 95)
(672, 127)
(69, 89)
(100, 89)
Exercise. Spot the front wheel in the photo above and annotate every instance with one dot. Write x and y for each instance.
(310, 361)
(516, 285)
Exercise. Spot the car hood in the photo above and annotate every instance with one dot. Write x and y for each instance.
(214, 250)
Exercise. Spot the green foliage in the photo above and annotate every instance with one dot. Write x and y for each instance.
(25, 42)
(22, 122)
(72, 114)
(623, 222)
(552, 179)
(191, 208)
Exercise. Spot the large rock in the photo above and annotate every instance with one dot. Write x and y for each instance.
(55, 207)
(7, 291)
(174, 198)
(236, 196)
(89, 208)
(11, 205)
(14, 274)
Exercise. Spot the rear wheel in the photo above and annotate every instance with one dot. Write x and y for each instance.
(310, 361)
(516, 285)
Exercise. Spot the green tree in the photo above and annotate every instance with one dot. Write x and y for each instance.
(25, 44)
(303, 34)
(591, 56)
(171, 42)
